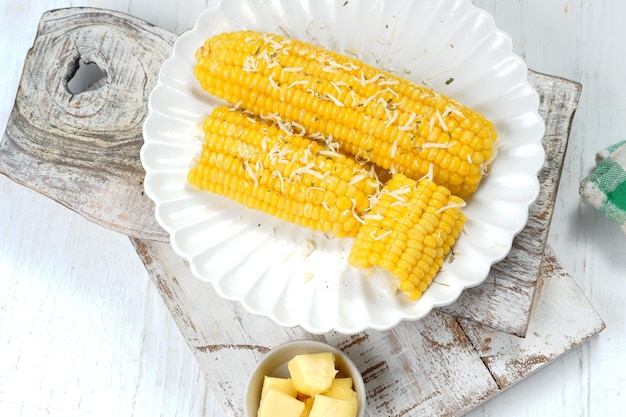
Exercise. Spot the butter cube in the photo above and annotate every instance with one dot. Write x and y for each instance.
(341, 389)
(312, 373)
(278, 403)
(324, 406)
(279, 384)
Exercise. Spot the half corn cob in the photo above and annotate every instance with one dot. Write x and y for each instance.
(274, 167)
(409, 232)
(394, 123)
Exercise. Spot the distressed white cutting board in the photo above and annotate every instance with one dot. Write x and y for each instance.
(82, 150)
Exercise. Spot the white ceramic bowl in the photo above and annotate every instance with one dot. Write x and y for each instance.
(298, 277)
(274, 363)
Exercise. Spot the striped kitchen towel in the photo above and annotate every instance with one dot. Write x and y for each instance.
(605, 188)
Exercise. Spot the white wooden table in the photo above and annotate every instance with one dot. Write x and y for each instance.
(84, 332)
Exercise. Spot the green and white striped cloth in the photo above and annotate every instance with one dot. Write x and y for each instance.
(605, 188)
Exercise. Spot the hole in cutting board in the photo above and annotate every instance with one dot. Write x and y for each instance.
(87, 76)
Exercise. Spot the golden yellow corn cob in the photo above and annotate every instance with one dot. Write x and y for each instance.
(409, 232)
(277, 169)
(396, 124)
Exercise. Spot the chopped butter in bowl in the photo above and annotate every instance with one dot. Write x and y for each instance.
(305, 378)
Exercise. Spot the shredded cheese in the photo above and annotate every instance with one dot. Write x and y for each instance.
(381, 236)
(306, 194)
(334, 100)
(300, 82)
(364, 81)
(409, 123)
(361, 160)
(331, 154)
(250, 173)
(444, 145)
(337, 85)
(453, 110)
(399, 193)
(356, 179)
(287, 127)
(451, 206)
(375, 176)
(258, 166)
(277, 46)
(398, 203)
(270, 59)
(272, 82)
(307, 169)
(430, 174)
(307, 154)
(374, 199)
(333, 65)
(281, 179)
(250, 64)
(332, 144)
(392, 116)
(264, 143)
(301, 131)
(389, 81)
(372, 97)
(394, 148)
(317, 136)
(279, 154)
(441, 121)
(354, 213)
(390, 111)
(354, 97)
(389, 90)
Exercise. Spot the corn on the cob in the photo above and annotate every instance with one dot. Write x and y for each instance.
(277, 169)
(409, 232)
(398, 125)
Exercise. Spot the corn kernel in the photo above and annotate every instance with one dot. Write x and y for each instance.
(414, 248)
(335, 95)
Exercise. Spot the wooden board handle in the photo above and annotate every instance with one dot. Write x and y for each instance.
(81, 148)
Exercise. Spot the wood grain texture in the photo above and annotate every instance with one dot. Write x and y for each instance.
(82, 150)
(438, 366)
(415, 369)
(79, 148)
(552, 330)
(430, 367)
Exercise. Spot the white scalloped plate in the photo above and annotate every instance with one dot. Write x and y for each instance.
(296, 276)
